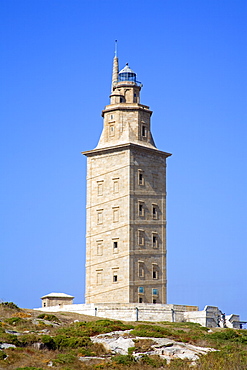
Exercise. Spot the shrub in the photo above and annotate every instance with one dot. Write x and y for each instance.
(14, 320)
(10, 305)
(105, 326)
(2, 355)
(10, 338)
(48, 317)
(154, 361)
(48, 342)
(123, 359)
(228, 358)
(184, 364)
(62, 342)
(155, 331)
(28, 339)
(131, 350)
(225, 334)
(64, 359)
(187, 325)
(86, 329)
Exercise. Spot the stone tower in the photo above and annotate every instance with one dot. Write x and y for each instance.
(126, 202)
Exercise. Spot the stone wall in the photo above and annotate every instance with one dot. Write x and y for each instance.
(209, 316)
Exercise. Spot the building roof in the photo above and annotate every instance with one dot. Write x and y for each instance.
(127, 69)
(57, 295)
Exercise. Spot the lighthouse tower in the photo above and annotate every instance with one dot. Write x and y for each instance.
(126, 202)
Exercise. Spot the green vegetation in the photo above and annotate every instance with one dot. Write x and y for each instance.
(64, 359)
(147, 330)
(10, 305)
(14, 321)
(65, 345)
(123, 359)
(153, 361)
(2, 355)
(187, 332)
(237, 336)
(82, 329)
(49, 317)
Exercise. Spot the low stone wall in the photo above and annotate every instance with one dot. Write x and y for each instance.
(209, 316)
(128, 311)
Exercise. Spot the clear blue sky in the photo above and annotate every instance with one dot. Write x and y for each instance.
(56, 60)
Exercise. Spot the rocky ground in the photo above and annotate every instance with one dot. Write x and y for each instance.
(121, 342)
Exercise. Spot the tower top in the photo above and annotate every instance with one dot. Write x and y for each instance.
(127, 74)
(126, 120)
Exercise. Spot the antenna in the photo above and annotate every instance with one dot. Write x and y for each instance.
(115, 48)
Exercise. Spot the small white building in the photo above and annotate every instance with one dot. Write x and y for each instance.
(56, 299)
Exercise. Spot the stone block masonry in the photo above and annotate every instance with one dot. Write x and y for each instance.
(126, 203)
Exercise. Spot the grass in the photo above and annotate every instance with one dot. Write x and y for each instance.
(186, 333)
(49, 317)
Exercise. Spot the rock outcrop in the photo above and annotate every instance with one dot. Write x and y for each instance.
(119, 342)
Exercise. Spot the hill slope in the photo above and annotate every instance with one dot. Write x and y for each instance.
(34, 340)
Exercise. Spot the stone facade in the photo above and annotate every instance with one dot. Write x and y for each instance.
(126, 203)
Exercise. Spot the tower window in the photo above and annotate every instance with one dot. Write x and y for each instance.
(154, 301)
(155, 211)
(100, 217)
(99, 278)
(115, 214)
(144, 131)
(155, 240)
(99, 247)
(140, 178)
(141, 208)
(141, 271)
(141, 237)
(100, 187)
(115, 274)
(115, 246)
(115, 185)
(112, 116)
(141, 289)
(111, 130)
(155, 291)
(155, 272)
(140, 299)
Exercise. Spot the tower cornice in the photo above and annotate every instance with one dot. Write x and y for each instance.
(126, 107)
(90, 153)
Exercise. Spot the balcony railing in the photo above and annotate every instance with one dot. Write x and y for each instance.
(137, 83)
